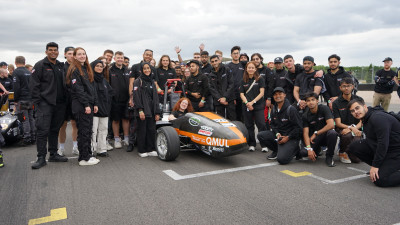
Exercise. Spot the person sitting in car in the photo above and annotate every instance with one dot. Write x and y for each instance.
(182, 107)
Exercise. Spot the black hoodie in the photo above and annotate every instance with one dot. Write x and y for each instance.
(287, 121)
(282, 79)
(221, 84)
(145, 95)
(382, 132)
(83, 93)
(332, 83)
(104, 92)
(268, 76)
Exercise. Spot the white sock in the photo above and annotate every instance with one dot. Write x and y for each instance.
(62, 146)
(117, 139)
(126, 138)
(75, 143)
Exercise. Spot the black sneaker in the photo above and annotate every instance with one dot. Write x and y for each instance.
(40, 162)
(103, 154)
(129, 148)
(24, 143)
(329, 161)
(57, 158)
(1, 161)
(272, 156)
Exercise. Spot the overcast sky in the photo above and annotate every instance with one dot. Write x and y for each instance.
(361, 31)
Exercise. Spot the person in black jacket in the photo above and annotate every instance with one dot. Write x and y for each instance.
(381, 148)
(282, 79)
(251, 93)
(286, 126)
(104, 94)
(197, 87)
(385, 79)
(164, 72)
(318, 130)
(332, 79)
(47, 85)
(119, 81)
(5, 81)
(237, 76)
(84, 103)
(221, 86)
(268, 76)
(147, 111)
(23, 100)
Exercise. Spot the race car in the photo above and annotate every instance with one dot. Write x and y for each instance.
(204, 131)
(11, 127)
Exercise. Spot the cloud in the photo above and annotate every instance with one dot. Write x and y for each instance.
(362, 32)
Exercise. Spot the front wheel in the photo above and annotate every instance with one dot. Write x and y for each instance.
(167, 143)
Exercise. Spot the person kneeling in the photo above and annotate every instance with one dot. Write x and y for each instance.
(286, 126)
(318, 130)
(381, 148)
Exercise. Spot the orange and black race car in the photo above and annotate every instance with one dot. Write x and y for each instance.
(204, 131)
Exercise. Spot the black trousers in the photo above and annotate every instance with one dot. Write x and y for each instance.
(250, 117)
(285, 152)
(238, 109)
(84, 123)
(227, 111)
(49, 119)
(389, 171)
(132, 130)
(326, 139)
(146, 134)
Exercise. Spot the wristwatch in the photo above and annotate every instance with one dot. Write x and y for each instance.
(316, 132)
(254, 102)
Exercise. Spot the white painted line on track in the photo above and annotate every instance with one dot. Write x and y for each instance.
(326, 181)
(73, 157)
(177, 176)
(355, 169)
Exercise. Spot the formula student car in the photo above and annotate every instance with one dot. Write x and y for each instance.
(204, 131)
(11, 127)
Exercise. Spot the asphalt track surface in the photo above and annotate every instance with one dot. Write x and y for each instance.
(243, 189)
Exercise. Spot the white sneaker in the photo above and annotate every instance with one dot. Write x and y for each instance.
(75, 150)
(153, 153)
(109, 147)
(90, 162)
(143, 155)
(94, 159)
(125, 142)
(265, 149)
(344, 158)
(117, 144)
(61, 151)
(252, 148)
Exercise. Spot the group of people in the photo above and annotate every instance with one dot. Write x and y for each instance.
(104, 99)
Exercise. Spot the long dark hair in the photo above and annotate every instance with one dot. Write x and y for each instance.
(106, 69)
(246, 75)
(160, 64)
(77, 65)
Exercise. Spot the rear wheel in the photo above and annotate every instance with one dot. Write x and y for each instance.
(167, 143)
(242, 129)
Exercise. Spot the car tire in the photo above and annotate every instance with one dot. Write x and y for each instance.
(167, 143)
(242, 128)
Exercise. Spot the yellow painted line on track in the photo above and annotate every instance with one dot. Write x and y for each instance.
(55, 215)
(293, 174)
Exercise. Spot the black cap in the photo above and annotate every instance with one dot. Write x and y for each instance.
(3, 64)
(244, 54)
(387, 59)
(278, 89)
(69, 48)
(278, 60)
(308, 58)
(193, 61)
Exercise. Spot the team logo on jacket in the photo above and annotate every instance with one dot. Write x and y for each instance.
(73, 81)
(321, 118)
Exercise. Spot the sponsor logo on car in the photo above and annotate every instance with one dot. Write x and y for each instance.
(207, 128)
(221, 120)
(194, 138)
(216, 149)
(205, 132)
(228, 125)
(217, 142)
(194, 121)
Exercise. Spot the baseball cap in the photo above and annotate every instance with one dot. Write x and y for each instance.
(278, 89)
(69, 48)
(278, 60)
(308, 58)
(387, 59)
(3, 64)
